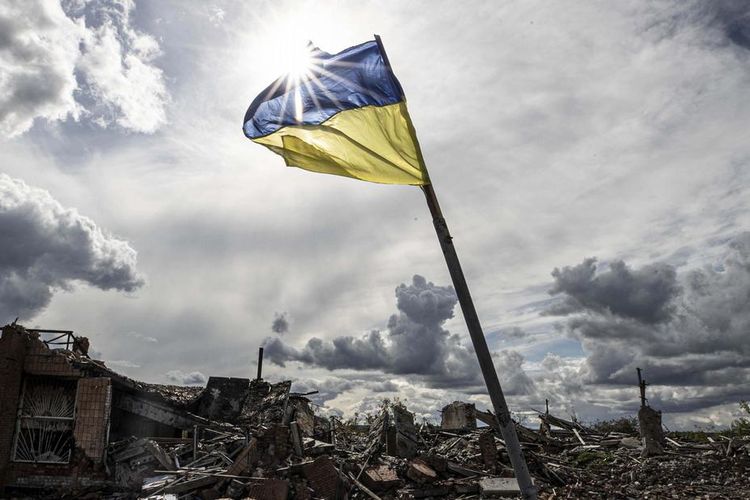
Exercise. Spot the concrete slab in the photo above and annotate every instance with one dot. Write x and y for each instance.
(499, 487)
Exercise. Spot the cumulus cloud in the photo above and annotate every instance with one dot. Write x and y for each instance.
(280, 324)
(732, 18)
(116, 65)
(181, 378)
(83, 58)
(38, 54)
(46, 247)
(413, 343)
(688, 332)
(514, 380)
(645, 294)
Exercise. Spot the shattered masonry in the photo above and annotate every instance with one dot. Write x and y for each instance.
(71, 426)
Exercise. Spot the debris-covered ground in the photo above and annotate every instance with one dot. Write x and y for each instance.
(73, 428)
(280, 450)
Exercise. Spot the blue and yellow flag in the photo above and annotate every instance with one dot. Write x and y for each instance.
(344, 115)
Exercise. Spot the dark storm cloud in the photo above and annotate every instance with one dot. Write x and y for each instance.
(699, 399)
(47, 247)
(366, 352)
(414, 343)
(701, 347)
(280, 324)
(733, 18)
(645, 294)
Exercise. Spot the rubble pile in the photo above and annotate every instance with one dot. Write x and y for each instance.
(616, 465)
(282, 450)
(117, 438)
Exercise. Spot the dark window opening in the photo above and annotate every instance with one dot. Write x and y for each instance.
(44, 432)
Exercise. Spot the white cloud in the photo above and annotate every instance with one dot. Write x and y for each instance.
(38, 53)
(116, 63)
(91, 62)
(182, 378)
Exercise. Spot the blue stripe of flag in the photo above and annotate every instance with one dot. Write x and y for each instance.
(353, 78)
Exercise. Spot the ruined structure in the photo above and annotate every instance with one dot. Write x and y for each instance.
(393, 431)
(71, 427)
(60, 409)
(459, 415)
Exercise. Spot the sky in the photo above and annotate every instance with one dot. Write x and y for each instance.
(591, 158)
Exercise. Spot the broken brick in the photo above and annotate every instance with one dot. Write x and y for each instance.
(380, 478)
(420, 472)
(488, 449)
(323, 477)
(268, 489)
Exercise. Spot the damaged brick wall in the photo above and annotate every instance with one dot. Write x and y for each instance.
(24, 359)
(41, 361)
(12, 354)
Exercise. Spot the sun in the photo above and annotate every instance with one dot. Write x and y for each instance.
(287, 35)
(285, 51)
(299, 62)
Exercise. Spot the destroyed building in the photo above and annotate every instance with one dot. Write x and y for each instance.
(71, 427)
(60, 409)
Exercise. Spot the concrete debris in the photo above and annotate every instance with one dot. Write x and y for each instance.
(459, 415)
(652, 432)
(380, 478)
(420, 472)
(499, 487)
(116, 438)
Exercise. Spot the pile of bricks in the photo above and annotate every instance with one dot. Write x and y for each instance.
(251, 439)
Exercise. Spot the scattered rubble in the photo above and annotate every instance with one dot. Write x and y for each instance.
(569, 461)
(251, 439)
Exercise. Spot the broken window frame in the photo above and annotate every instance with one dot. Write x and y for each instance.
(24, 440)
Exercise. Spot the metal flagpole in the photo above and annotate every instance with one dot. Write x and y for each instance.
(507, 427)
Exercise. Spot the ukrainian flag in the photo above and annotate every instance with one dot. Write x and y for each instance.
(345, 115)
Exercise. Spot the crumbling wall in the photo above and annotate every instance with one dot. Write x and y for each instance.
(300, 411)
(459, 415)
(652, 433)
(401, 437)
(265, 403)
(12, 355)
(223, 398)
(56, 387)
(40, 360)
